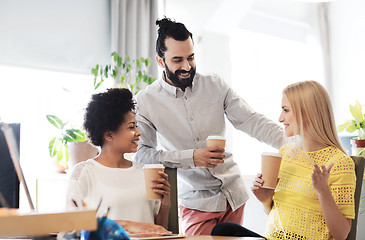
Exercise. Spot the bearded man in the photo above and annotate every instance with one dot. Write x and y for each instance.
(177, 113)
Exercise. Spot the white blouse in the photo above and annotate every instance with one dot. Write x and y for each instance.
(121, 189)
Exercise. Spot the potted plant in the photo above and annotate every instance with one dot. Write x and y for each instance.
(58, 145)
(357, 124)
(127, 73)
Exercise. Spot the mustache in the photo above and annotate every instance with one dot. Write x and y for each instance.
(184, 71)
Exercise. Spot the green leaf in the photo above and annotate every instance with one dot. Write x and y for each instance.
(351, 128)
(119, 61)
(138, 63)
(147, 62)
(356, 111)
(106, 71)
(55, 121)
(74, 135)
(122, 79)
(145, 78)
(127, 58)
(52, 146)
(115, 72)
(342, 127)
(96, 70)
(151, 80)
(361, 152)
(115, 56)
(140, 76)
(99, 83)
(60, 152)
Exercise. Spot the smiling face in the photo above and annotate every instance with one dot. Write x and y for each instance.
(178, 62)
(287, 118)
(127, 135)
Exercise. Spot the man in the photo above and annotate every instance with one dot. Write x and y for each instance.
(177, 113)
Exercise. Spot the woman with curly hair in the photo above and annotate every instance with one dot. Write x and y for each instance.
(110, 123)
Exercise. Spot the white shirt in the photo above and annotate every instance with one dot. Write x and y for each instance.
(122, 189)
(174, 123)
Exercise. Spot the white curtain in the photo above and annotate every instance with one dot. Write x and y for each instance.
(324, 35)
(133, 29)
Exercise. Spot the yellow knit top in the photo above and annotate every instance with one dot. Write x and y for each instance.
(296, 211)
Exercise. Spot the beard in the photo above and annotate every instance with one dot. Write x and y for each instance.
(183, 82)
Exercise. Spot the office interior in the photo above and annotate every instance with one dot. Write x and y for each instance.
(47, 50)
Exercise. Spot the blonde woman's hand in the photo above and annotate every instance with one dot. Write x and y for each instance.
(162, 186)
(320, 177)
(262, 194)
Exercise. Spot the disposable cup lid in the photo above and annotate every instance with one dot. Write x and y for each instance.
(216, 137)
(148, 166)
(274, 154)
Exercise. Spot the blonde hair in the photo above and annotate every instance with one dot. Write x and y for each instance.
(312, 110)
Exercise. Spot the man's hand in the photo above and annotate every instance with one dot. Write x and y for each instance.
(208, 157)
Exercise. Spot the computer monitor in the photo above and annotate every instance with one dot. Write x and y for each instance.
(9, 182)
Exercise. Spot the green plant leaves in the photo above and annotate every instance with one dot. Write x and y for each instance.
(59, 149)
(122, 70)
(357, 124)
(356, 111)
(57, 146)
(53, 146)
(55, 121)
(74, 135)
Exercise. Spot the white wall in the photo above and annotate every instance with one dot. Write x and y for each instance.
(347, 21)
(66, 35)
(347, 28)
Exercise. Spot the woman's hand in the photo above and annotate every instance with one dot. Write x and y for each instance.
(141, 227)
(337, 223)
(320, 177)
(264, 195)
(162, 186)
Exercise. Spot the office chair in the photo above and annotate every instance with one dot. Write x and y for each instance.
(233, 230)
(359, 171)
(173, 223)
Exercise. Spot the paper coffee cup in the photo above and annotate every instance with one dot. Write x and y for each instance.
(216, 141)
(270, 166)
(151, 171)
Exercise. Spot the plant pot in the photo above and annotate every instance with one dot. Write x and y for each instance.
(80, 151)
(357, 146)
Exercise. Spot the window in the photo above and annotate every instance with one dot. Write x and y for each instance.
(28, 95)
(262, 66)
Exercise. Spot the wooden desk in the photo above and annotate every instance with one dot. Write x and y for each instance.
(204, 237)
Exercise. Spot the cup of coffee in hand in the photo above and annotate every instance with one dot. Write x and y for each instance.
(270, 166)
(216, 141)
(150, 172)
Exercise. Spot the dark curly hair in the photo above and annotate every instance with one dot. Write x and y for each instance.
(106, 111)
(168, 28)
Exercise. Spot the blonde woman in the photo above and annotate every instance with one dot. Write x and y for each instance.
(314, 197)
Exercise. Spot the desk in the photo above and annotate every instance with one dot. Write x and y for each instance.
(204, 237)
(196, 237)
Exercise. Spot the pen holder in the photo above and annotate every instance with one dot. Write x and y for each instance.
(107, 230)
